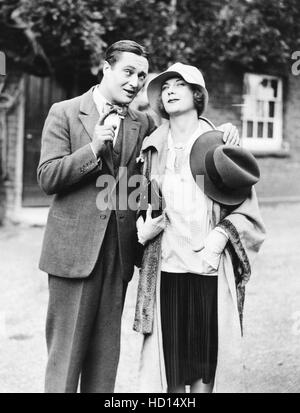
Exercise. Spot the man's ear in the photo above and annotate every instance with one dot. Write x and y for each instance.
(106, 67)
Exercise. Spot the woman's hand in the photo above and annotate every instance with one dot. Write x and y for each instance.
(211, 249)
(231, 134)
(151, 227)
(214, 245)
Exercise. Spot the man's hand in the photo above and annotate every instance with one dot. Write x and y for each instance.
(102, 135)
(231, 134)
(151, 227)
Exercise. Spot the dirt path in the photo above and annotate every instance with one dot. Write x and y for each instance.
(272, 312)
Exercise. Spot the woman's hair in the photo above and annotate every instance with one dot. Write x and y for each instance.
(198, 101)
(114, 51)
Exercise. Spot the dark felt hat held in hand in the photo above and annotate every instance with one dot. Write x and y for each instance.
(229, 171)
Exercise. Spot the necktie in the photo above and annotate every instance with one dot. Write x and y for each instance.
(109, 109)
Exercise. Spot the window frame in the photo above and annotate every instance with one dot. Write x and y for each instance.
(264, 142)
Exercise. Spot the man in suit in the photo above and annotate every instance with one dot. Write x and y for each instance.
(89, 253)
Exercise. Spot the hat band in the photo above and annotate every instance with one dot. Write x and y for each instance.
(213, 174)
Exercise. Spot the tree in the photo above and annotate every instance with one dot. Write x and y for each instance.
(68, 36)
(44, 36)
(260, 35)
(172, 30)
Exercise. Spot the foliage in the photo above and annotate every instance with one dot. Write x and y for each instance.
(249, 33)
(70, 35)
(260, 35)
(47, 35)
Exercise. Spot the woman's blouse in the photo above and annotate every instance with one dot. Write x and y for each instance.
(187, 211)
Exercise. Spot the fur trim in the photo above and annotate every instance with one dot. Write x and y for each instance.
(144, 310)
(244, 270)
(240, 296)
(240, 263)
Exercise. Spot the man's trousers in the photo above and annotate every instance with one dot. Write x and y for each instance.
(84, 324)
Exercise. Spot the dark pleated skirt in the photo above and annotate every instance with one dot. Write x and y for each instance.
(189, 327)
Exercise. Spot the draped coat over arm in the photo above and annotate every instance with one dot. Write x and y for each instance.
(246, 234)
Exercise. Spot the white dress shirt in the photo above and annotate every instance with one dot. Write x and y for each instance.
(112, 119)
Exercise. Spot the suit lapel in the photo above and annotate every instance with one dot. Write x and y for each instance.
(131, 129)
(89, 116)
(89, 120)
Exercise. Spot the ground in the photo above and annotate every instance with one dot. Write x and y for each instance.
(272, 311)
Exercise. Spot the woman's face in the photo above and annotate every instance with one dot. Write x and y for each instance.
(177, 96)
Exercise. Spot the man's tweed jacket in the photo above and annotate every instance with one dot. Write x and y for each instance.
(69, 170)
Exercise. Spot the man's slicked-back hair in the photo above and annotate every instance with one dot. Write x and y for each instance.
(114, 51)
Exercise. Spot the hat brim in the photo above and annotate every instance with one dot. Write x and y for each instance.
(199, 149)
(155, 85)
(201, 146)
(234, 197)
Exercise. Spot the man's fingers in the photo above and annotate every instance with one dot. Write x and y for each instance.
(104, 133)
(105, 128)
(228, 134)
(108, 139)
(224, 128)
(231, 137)
(235, 141)
(104, 138)
(102, 119)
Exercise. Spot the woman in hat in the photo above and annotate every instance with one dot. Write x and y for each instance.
(198, 253)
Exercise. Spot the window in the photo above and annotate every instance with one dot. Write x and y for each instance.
(262, 112)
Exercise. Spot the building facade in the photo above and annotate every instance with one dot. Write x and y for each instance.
(264, 107)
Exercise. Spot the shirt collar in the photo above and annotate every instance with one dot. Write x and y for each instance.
(191, 140)
(99, 99)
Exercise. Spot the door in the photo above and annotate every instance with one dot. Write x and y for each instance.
(41, 93)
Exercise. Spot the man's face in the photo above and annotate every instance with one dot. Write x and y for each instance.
(122, 81)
